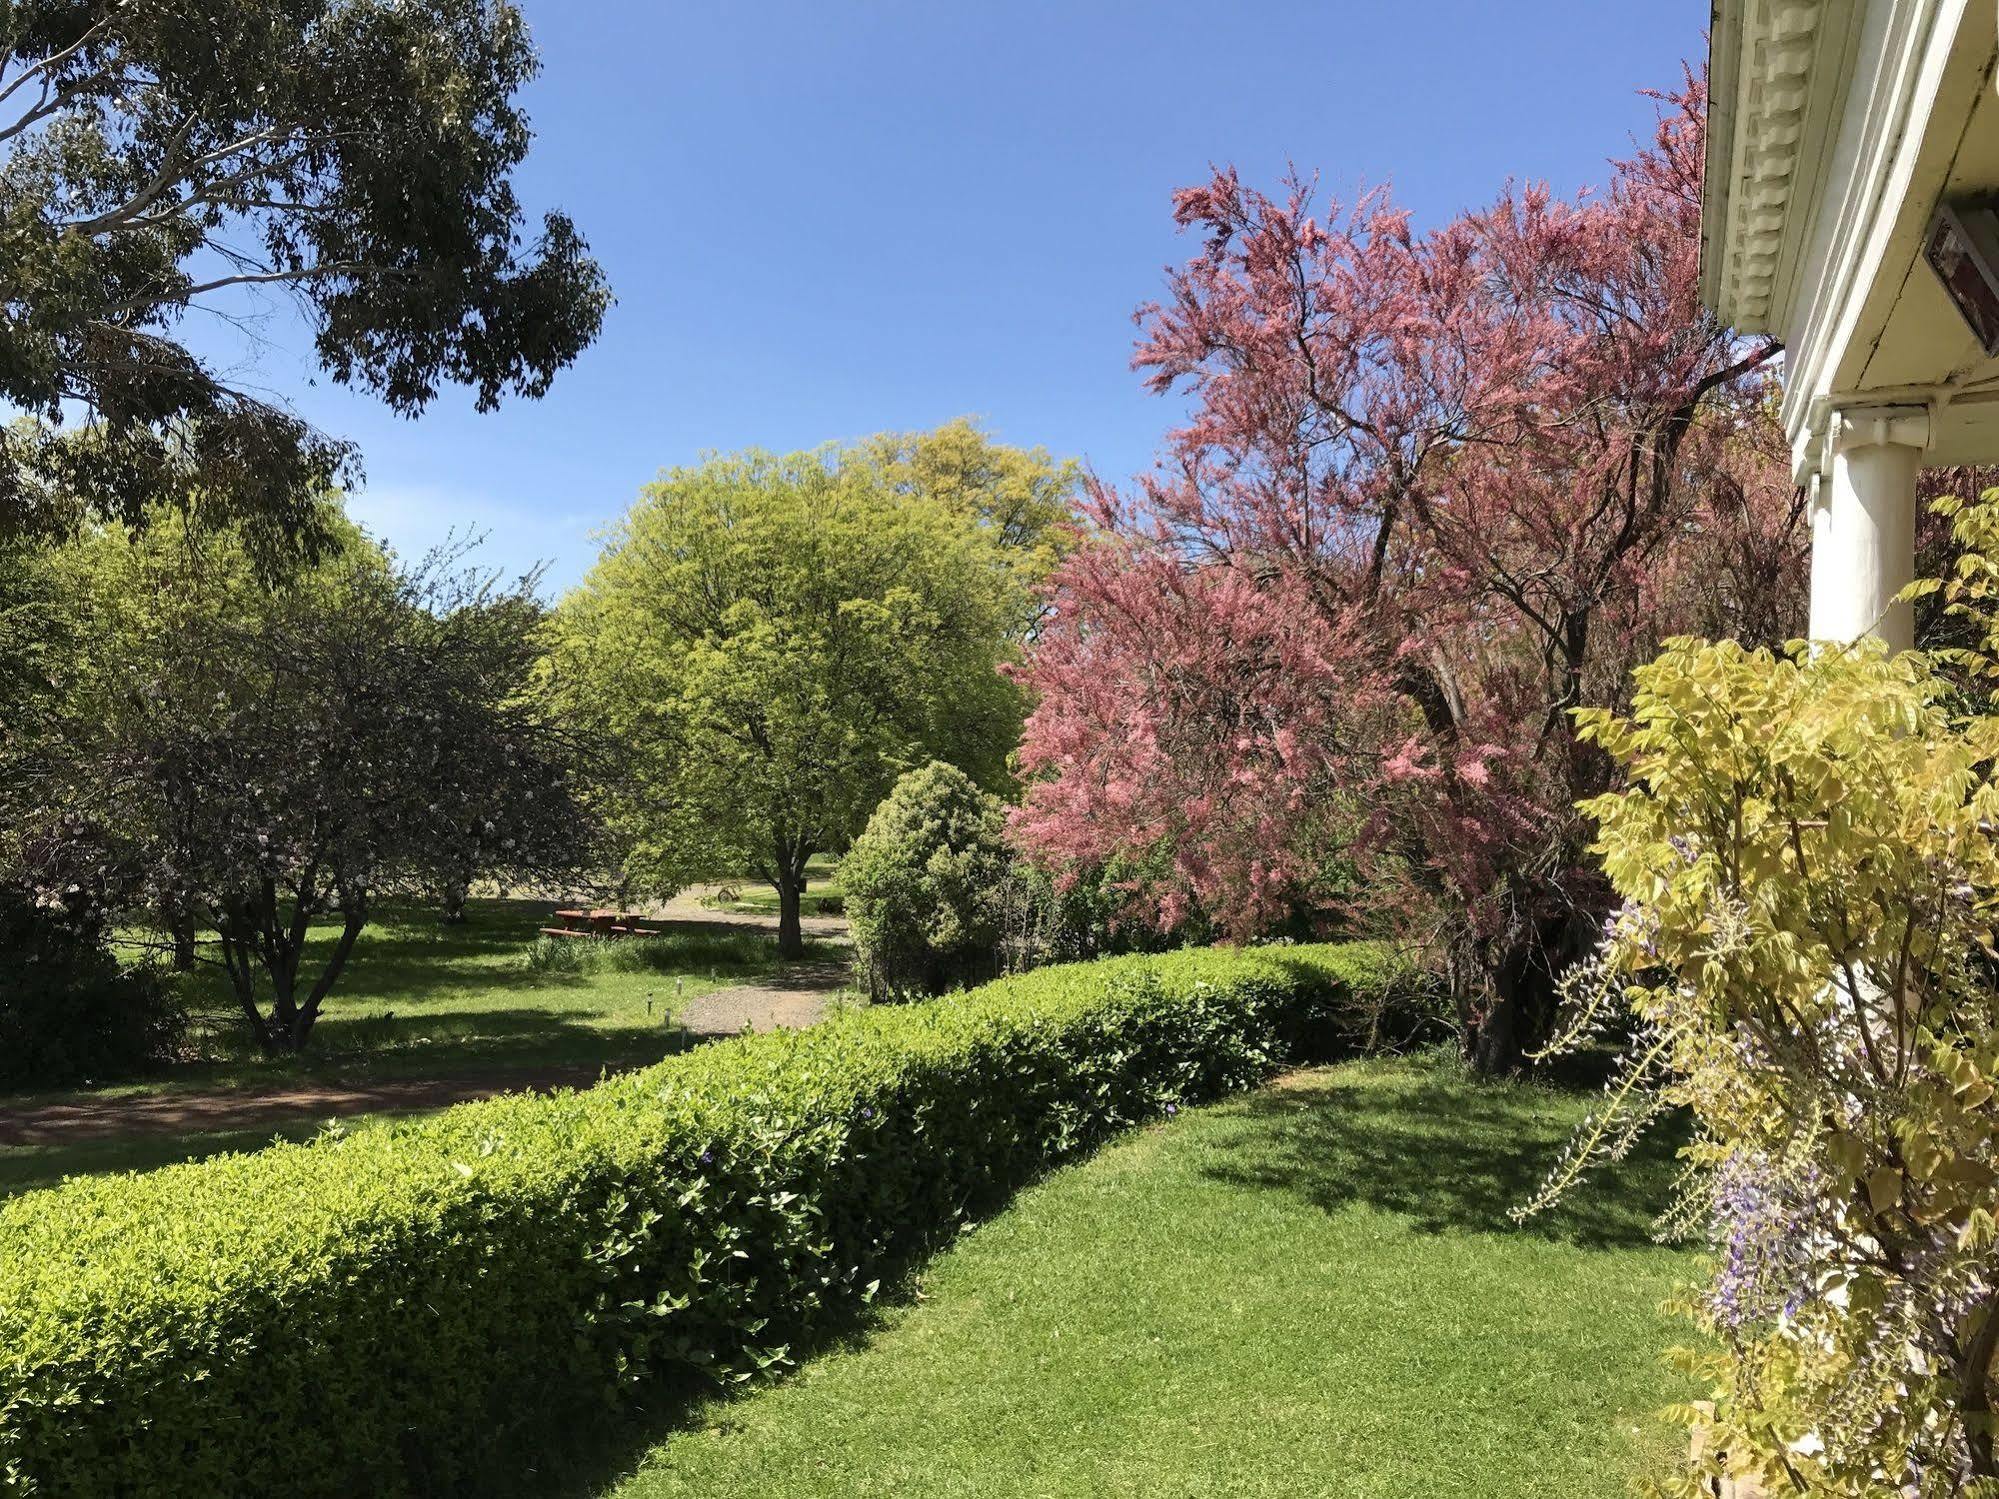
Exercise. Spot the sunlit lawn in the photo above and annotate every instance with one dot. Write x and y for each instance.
(423, 1000)
(1312, 1291)
(822, 895)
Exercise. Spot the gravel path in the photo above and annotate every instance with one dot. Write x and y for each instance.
(791, 1001)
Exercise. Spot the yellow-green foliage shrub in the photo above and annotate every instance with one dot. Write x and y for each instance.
(372, 1314)
(1808, 852)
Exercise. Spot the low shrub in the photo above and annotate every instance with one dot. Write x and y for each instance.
(1080, 913)
(379, 1313)
(69, 1011)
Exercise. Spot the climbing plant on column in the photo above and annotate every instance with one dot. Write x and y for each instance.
(1808, 857)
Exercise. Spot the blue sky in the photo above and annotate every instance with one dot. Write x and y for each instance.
(823, 218)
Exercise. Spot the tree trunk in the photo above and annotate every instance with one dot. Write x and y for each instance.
(241, 960)
(459, 889)
(789, 856)
(180, 926)
(1497, 1046)
(355, 918)
(790, 932)
(1509, 991)
(250, 945)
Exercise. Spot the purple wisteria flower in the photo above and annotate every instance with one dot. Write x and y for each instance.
(1765, 1224)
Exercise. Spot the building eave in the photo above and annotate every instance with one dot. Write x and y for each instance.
(1775, 74)
(1724, 68)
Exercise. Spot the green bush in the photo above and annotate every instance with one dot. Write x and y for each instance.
(923, 882)
(1082, 913)
(69, 1011)
(383, 1312)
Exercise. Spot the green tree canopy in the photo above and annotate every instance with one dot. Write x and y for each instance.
(161, 154)
(221, 752)
(1023, 497)
(771, 641)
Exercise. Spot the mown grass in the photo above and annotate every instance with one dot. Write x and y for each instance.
(1314, 1290)
(420, 999)
(822, 895)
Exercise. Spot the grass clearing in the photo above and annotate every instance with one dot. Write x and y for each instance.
(1313, 1290)
(822, 895)
(421, 999)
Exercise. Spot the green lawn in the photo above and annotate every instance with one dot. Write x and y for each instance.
(821, 897)
(1314, 1290)
(420, 998)
(417, 1000)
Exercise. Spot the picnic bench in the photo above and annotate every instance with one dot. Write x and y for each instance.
(599, 923)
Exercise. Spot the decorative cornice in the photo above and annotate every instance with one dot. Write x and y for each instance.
(1772, 49)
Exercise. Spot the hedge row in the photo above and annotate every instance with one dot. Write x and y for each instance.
(369, 1314)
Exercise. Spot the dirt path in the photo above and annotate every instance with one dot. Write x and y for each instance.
(792, 1000)
(75, 1120)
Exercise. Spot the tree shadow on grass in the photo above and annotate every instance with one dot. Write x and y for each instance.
(27, 1168)
(393, 1044)
(1449, 1153)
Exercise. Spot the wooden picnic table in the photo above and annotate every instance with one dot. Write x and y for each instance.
(600, 922)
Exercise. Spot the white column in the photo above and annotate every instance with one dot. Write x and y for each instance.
(1864, 524)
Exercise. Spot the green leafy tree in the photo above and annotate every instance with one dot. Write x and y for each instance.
(162, 155)
(259, 759)
(1023, 497)
(771, 641)
(924, 884)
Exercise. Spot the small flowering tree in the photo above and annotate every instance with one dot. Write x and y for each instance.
(1808, 858)
(267, 760)
(1436, 490)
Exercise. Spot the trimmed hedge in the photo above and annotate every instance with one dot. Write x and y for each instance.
(374, 1313)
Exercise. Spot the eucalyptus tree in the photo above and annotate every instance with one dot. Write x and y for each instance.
(167, 156)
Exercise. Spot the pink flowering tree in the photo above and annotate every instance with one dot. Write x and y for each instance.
(1434, 491)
